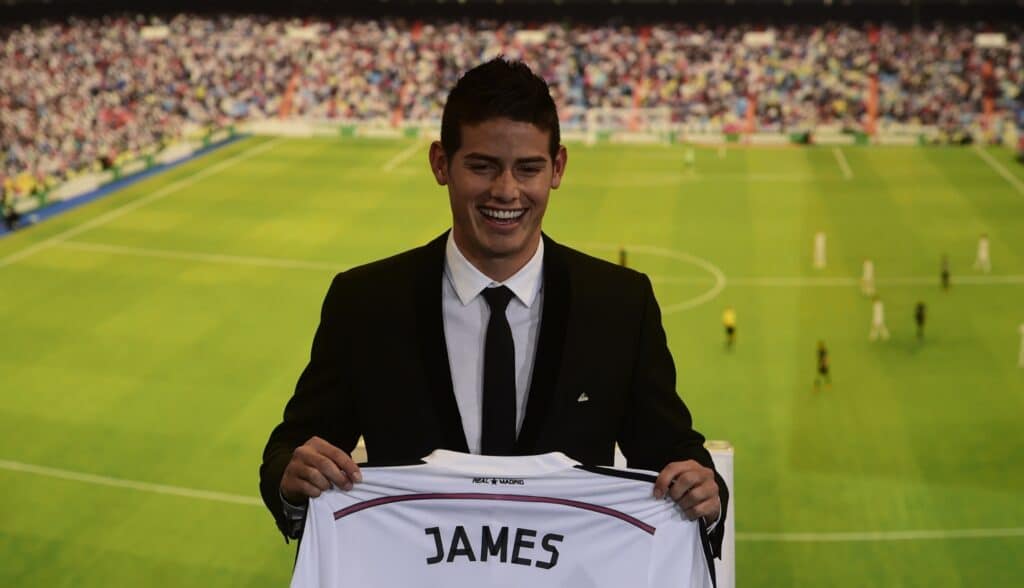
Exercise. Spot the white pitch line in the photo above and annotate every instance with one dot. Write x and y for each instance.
(1000, 169)
(401, 156)
(880, 535)
(795, 281)
(843, 164)
(1007, 279)
(695, 280)
(205, 257)
(28, 468)
(135, 204)
(801, 282)
(674, 179)
(714, 278)
(716, 287)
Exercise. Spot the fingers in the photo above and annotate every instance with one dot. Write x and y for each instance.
(297, 484)
(668, 476)
(707, 505)
(692, 486)
(315, 466)
(341, 459)
(326, 467)
(314, 477)
(710, 510)
(685, 483)
(304, 489)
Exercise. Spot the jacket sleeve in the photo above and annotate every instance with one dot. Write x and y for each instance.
(321, 405)
(658, 428)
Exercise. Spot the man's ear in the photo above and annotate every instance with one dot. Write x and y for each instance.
(558, 166)
(439, 163)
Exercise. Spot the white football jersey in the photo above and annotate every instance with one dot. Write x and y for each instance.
(469, 520)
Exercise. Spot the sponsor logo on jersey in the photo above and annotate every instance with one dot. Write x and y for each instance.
(500, 481)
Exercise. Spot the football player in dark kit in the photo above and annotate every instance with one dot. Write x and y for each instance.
(823, 365)
(919, 315)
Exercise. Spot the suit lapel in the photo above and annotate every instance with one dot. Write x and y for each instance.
(433, 348)
(548, 355)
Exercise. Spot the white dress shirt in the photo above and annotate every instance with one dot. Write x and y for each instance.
(465, 328)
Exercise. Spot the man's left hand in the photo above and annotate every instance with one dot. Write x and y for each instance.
(693, 487)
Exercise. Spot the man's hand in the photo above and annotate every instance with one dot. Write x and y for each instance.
(314, 467)
(693, 487)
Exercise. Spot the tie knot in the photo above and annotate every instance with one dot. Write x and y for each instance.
(497, 298)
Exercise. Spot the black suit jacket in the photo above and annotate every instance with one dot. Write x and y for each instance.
(380, 368)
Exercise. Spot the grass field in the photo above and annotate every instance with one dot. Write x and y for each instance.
(150, 340)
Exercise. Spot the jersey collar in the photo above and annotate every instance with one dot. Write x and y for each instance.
(491, 465)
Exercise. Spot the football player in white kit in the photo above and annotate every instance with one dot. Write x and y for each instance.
(819, 250)
(867, 278)
(1020, 360)
(878, 328)
(983, 262)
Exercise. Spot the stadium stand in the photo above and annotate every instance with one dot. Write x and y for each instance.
(83, 94)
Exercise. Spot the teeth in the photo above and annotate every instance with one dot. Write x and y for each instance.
(502, 214)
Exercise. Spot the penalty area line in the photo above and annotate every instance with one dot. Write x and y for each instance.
(135, 204)
(843, 164)
(400, 157)
(1000, 169)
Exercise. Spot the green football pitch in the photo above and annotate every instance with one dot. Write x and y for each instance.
(149, 341)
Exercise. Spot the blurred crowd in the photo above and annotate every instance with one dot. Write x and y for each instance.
(85, 94)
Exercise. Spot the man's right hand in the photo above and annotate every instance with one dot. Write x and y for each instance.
(314, 467)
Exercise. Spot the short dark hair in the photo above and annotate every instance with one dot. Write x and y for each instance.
(499, 88)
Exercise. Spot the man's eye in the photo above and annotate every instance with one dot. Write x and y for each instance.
(529, 170)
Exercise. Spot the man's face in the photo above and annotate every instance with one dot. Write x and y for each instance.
(498, 184)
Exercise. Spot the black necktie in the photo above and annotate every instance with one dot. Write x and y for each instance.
(499, 411)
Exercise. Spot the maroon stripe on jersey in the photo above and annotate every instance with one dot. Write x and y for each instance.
(500, 497)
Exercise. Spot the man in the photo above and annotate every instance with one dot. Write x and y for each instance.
(9, 213)
(690, 159)
(867, 278)
(945, 272)
(410, 356)
(919, 315)
(823, 376)
(1020, 359)
(878, 327)
(982, 261)
(819, 250)
(729, 322)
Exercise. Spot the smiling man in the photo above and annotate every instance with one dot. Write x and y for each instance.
(499, 173)
(493, 338)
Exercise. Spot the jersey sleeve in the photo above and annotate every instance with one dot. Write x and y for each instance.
(678, 557)
(312, 568)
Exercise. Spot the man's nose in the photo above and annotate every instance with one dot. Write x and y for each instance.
(505, 186)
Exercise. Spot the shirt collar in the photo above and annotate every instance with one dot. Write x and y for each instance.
(469, 282)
